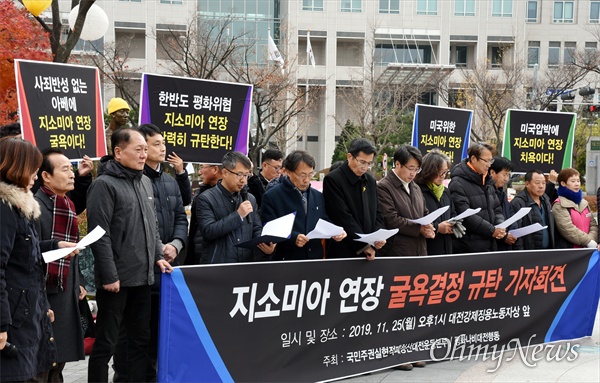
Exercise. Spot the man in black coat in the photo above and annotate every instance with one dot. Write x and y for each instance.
(271, 167)
(534, 196)
(292, 194)
(500, 172)
(351, 201)
(471, 187)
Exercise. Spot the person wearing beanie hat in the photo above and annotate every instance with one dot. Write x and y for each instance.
(118, 109)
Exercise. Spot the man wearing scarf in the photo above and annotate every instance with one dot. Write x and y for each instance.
(59, 221)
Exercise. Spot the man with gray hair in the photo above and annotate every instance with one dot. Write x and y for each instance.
(227, 216)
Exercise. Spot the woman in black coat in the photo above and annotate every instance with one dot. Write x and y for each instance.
(435, 167)
(25, 315)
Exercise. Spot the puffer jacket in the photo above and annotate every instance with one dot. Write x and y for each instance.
(23, 303)
(533, 241)
(121, 201)
(172, 220)
(562, 209)
(468, 192)
(222, 227)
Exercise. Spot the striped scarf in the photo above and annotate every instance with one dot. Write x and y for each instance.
(64, 228)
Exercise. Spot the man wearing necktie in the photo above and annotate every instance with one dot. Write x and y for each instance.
(294, 194)
(351, 201)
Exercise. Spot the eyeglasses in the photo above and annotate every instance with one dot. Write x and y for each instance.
(304, 176)
(363, 164)
(240, 176)
(490, 161)
(277, 168)
(413, 170)
(443, 174)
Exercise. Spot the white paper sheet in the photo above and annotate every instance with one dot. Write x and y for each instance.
(523, 231)
(325, 229)
(517, 216)
(379, 235)
(465, 214)
(280, 227)
(92, 237)
(431, 216)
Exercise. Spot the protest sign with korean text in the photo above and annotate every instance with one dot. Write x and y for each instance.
(201, 120)
(60, 107)
(539, 140)
(327, 319)
(447, 129)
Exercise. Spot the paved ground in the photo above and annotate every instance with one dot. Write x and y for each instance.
(584, 368)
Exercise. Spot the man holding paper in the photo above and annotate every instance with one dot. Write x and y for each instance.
(351, 201)
(294, 194)
(401, 200)
(227, 216)
(534, 196)
(471, 187)
(58, 220)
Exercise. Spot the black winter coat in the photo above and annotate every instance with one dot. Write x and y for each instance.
(343, 192)
(222, 227)
(284, 199)
(507, 212)
(195, 241)
(442, 243)
(172, 220)
(533, 241)
(468, 192)
(23, 303)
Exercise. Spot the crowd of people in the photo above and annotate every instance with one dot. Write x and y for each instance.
(142, 209)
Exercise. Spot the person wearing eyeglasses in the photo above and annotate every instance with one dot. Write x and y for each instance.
(227, 218)
(294, 194)
(500, 173)
(401, 200)
(272, 160)
(472, 187)
(435, 168)
(351, 201)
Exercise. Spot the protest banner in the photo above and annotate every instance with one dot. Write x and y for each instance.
(201, 120)
(327, 319)
(539, 140)
(60, 107)
(447, 129)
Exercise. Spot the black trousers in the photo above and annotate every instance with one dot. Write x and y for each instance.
(129, 307)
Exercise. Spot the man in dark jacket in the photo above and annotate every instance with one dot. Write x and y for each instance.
(534, 196)
(500, 172)
(351, 202)
(211, 174)
(401, 200)
(471, 187)
(124, 257)
(64, 287)
(271, 169)
(294, 194)
(227, 217)
(172, 227)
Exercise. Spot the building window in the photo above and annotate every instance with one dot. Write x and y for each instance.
(389, 6)
(312, 5)
(590, 50)
(595, 12)
(496, 58)
(427, 7)
(461, 56)
(563, 12)
(171, 1)
(569, 52)
(351, 5)
(388, 53)
(533, 53)
(464, 8)
(132, 1)
(502, 8)
(532, 11)
(554, 53)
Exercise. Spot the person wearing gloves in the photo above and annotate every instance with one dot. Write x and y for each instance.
(572, 215)
(436, 166)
